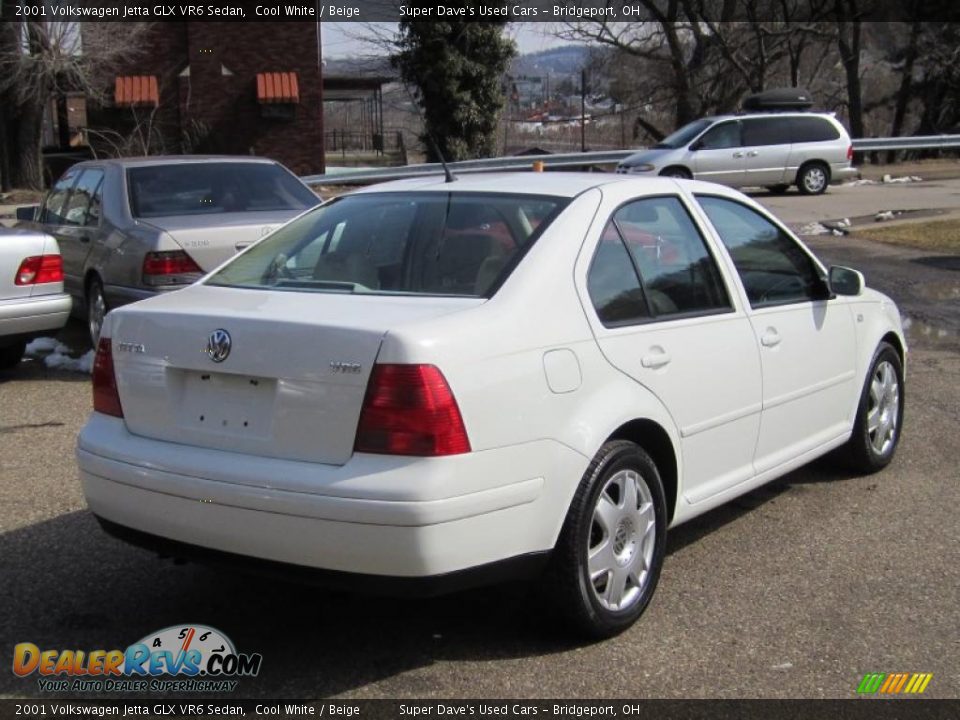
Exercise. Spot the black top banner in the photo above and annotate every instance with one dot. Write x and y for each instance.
(552, 11)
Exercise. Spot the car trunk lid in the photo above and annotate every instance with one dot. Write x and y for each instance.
(291, 383)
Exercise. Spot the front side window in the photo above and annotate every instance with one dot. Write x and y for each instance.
(461, 244)
(210, 188)
(774, 269)
(725, 135)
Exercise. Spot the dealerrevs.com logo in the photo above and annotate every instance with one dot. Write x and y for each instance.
(182, 658)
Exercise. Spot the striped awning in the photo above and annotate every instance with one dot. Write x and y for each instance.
(136, 90)
(278, 87)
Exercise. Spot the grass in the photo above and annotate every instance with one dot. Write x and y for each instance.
(939, 235)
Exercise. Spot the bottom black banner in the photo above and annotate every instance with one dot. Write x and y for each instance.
(863, 709)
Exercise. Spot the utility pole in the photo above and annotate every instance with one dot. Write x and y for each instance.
(583, 110)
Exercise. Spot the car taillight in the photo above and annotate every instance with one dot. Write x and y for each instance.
(850, 152)
(106, 398)
(40, 269)
(162, 268)
(410, 410)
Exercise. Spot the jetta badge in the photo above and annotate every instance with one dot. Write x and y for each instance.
(218, 345)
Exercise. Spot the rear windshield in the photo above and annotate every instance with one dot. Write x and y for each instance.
(214, 187)
(397, 243)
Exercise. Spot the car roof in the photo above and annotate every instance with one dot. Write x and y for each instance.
(562, 184)
(154, 160)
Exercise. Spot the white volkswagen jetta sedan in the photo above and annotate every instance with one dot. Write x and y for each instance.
(428, 385)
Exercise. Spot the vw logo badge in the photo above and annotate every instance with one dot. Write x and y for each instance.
(218, 345)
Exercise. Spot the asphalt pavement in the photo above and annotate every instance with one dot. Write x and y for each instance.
(795, 590)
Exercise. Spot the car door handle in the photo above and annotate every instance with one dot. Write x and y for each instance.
(84, 238)
(738, 154)
(242, 246)
(770, 338)
(656, 359)
(752, 153)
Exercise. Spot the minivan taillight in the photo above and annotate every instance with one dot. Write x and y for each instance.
(167, 267)
(410, 410)
(850, 152)
(40, 269)
(106, 399)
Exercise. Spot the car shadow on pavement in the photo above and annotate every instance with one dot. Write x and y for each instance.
(67, 585)
(940, 262)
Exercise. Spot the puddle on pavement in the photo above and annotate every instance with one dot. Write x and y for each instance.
(937, 291)
(925, 333)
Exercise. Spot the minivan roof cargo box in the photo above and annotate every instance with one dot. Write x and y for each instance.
(779, 99)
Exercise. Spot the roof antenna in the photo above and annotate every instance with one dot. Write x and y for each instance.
(436, 149)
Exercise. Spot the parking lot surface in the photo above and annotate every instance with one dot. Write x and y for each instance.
(795, 590)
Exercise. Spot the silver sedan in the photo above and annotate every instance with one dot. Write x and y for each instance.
(131, 228)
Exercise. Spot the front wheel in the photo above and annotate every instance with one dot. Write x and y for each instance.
(96, 310)
(678, 173)
(607, 562)
(876, 430)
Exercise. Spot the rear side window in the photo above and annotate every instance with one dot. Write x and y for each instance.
(652, 263)
(813, 129)
(53, 205)
(766, 131)
(461, 244)
(774, 269)
(210, 188)
(83, 205)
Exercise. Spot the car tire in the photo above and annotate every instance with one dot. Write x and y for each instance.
(676, 172)
(813, 178)
(97, 309)
(876, 430)
(778, 189)
(606, 564)
(11, 355)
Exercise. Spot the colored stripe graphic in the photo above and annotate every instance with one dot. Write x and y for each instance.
(894, 683)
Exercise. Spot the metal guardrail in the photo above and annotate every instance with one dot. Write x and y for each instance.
(584, 159)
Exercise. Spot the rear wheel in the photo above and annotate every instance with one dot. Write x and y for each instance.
(607, 562)
(676, 172)
(813, 178)
(876, 430)
(11, 355)
(96, 309)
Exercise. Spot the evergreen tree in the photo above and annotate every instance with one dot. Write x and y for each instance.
(457, 71)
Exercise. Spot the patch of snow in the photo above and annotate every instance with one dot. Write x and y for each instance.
(855, 183)
(814, 228)
(888, 179)
(60, 361)
(42, 345)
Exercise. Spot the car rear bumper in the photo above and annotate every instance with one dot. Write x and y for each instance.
(844, 172)
(354, 523)
(29, 316)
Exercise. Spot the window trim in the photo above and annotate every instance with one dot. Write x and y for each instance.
(819, 266)
(652, 317)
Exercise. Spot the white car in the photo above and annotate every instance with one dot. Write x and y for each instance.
(427, 385)
(32, 301)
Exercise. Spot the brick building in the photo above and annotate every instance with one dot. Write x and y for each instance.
(221, 87)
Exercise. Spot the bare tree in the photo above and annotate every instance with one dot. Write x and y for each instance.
(43, 60)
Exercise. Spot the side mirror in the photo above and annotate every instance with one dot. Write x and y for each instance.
(846, 281)
(27, 213)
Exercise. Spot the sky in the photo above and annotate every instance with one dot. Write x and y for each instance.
(342, 39)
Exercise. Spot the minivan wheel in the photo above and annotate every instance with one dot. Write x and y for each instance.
(876, 430)
(813, 178)
(96, 309)
(676, 172)
(605, 567)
